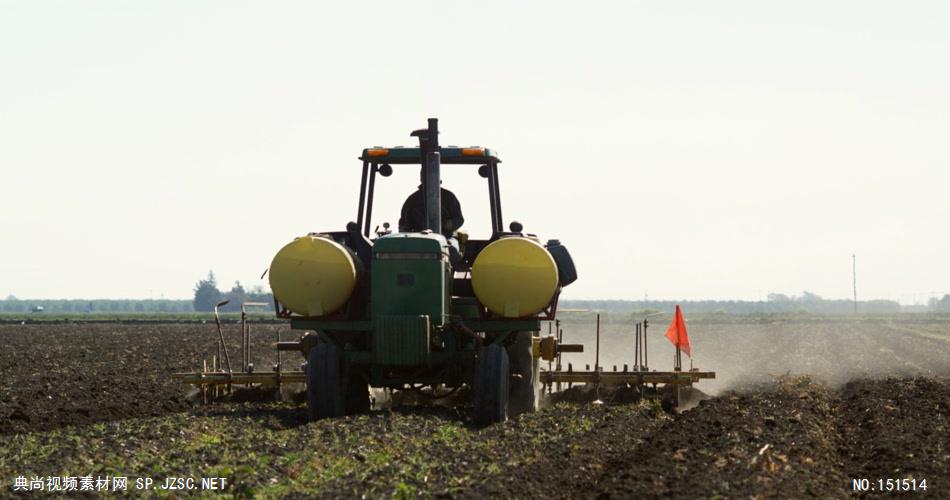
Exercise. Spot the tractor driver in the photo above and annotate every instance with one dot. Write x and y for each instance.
(413, 218)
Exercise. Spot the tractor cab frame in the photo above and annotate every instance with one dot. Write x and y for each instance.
(379, 161)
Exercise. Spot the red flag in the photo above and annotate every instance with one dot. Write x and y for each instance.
(677, 332)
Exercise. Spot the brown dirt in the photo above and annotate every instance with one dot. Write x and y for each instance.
(66, 374)
(791, 439)
(896, 428)
(873, 405)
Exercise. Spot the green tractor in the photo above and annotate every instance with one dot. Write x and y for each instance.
(426, 309)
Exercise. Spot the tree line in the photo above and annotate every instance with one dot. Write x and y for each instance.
(942, 305)
(776, 303)
(14, 305)
(207, 295)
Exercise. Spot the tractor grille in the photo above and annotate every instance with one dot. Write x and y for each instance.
(401, 340)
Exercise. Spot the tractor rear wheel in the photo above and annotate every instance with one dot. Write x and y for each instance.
(357, 395)
(525, 376)
(324, 394)
(491, 385)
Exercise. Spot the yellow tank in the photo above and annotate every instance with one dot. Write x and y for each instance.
(514, 277)
(312, 276)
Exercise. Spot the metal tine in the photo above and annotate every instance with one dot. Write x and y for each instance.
(646, 352)
(636, 350)
(217, 322)
(278, 367)
(246, 333)
(597, 350)
(597, 368)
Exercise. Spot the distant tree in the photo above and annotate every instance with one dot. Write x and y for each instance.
(809, 297)
(235, 296)
(779, 297)
(207, 293)
(11, 297)
(942, 305)
(639, 314)
(258, 293)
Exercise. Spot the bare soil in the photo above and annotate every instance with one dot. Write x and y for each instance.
(75, 373)
(799, 409)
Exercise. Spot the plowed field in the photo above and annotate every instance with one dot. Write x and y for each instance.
(801, 407)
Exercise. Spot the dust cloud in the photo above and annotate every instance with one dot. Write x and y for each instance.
(751, 350)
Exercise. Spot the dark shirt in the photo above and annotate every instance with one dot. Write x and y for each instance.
(413, 218)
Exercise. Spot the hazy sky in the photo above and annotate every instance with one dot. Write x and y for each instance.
(682, 149)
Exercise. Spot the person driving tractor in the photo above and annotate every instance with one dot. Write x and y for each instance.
(413, 217)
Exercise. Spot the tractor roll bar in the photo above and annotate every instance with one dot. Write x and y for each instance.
(492, 196)
(359, 215)
(431, 160)
(496, 220)
(368, 188)
(369, 198)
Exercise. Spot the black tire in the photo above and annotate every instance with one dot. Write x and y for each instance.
(491, 385)
(357, 395)
(525, 376)
(324, 394)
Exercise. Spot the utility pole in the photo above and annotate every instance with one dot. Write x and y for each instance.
(854, 281)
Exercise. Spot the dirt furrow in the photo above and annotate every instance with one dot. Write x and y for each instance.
(67, 374)
(895, 429)
(777, 442)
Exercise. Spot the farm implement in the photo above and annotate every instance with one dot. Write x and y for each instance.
(425, 309)
(666, 386)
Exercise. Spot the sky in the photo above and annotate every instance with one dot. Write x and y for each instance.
(680, 150)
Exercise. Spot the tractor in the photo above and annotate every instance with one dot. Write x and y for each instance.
(425, 310)
(428, 310)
